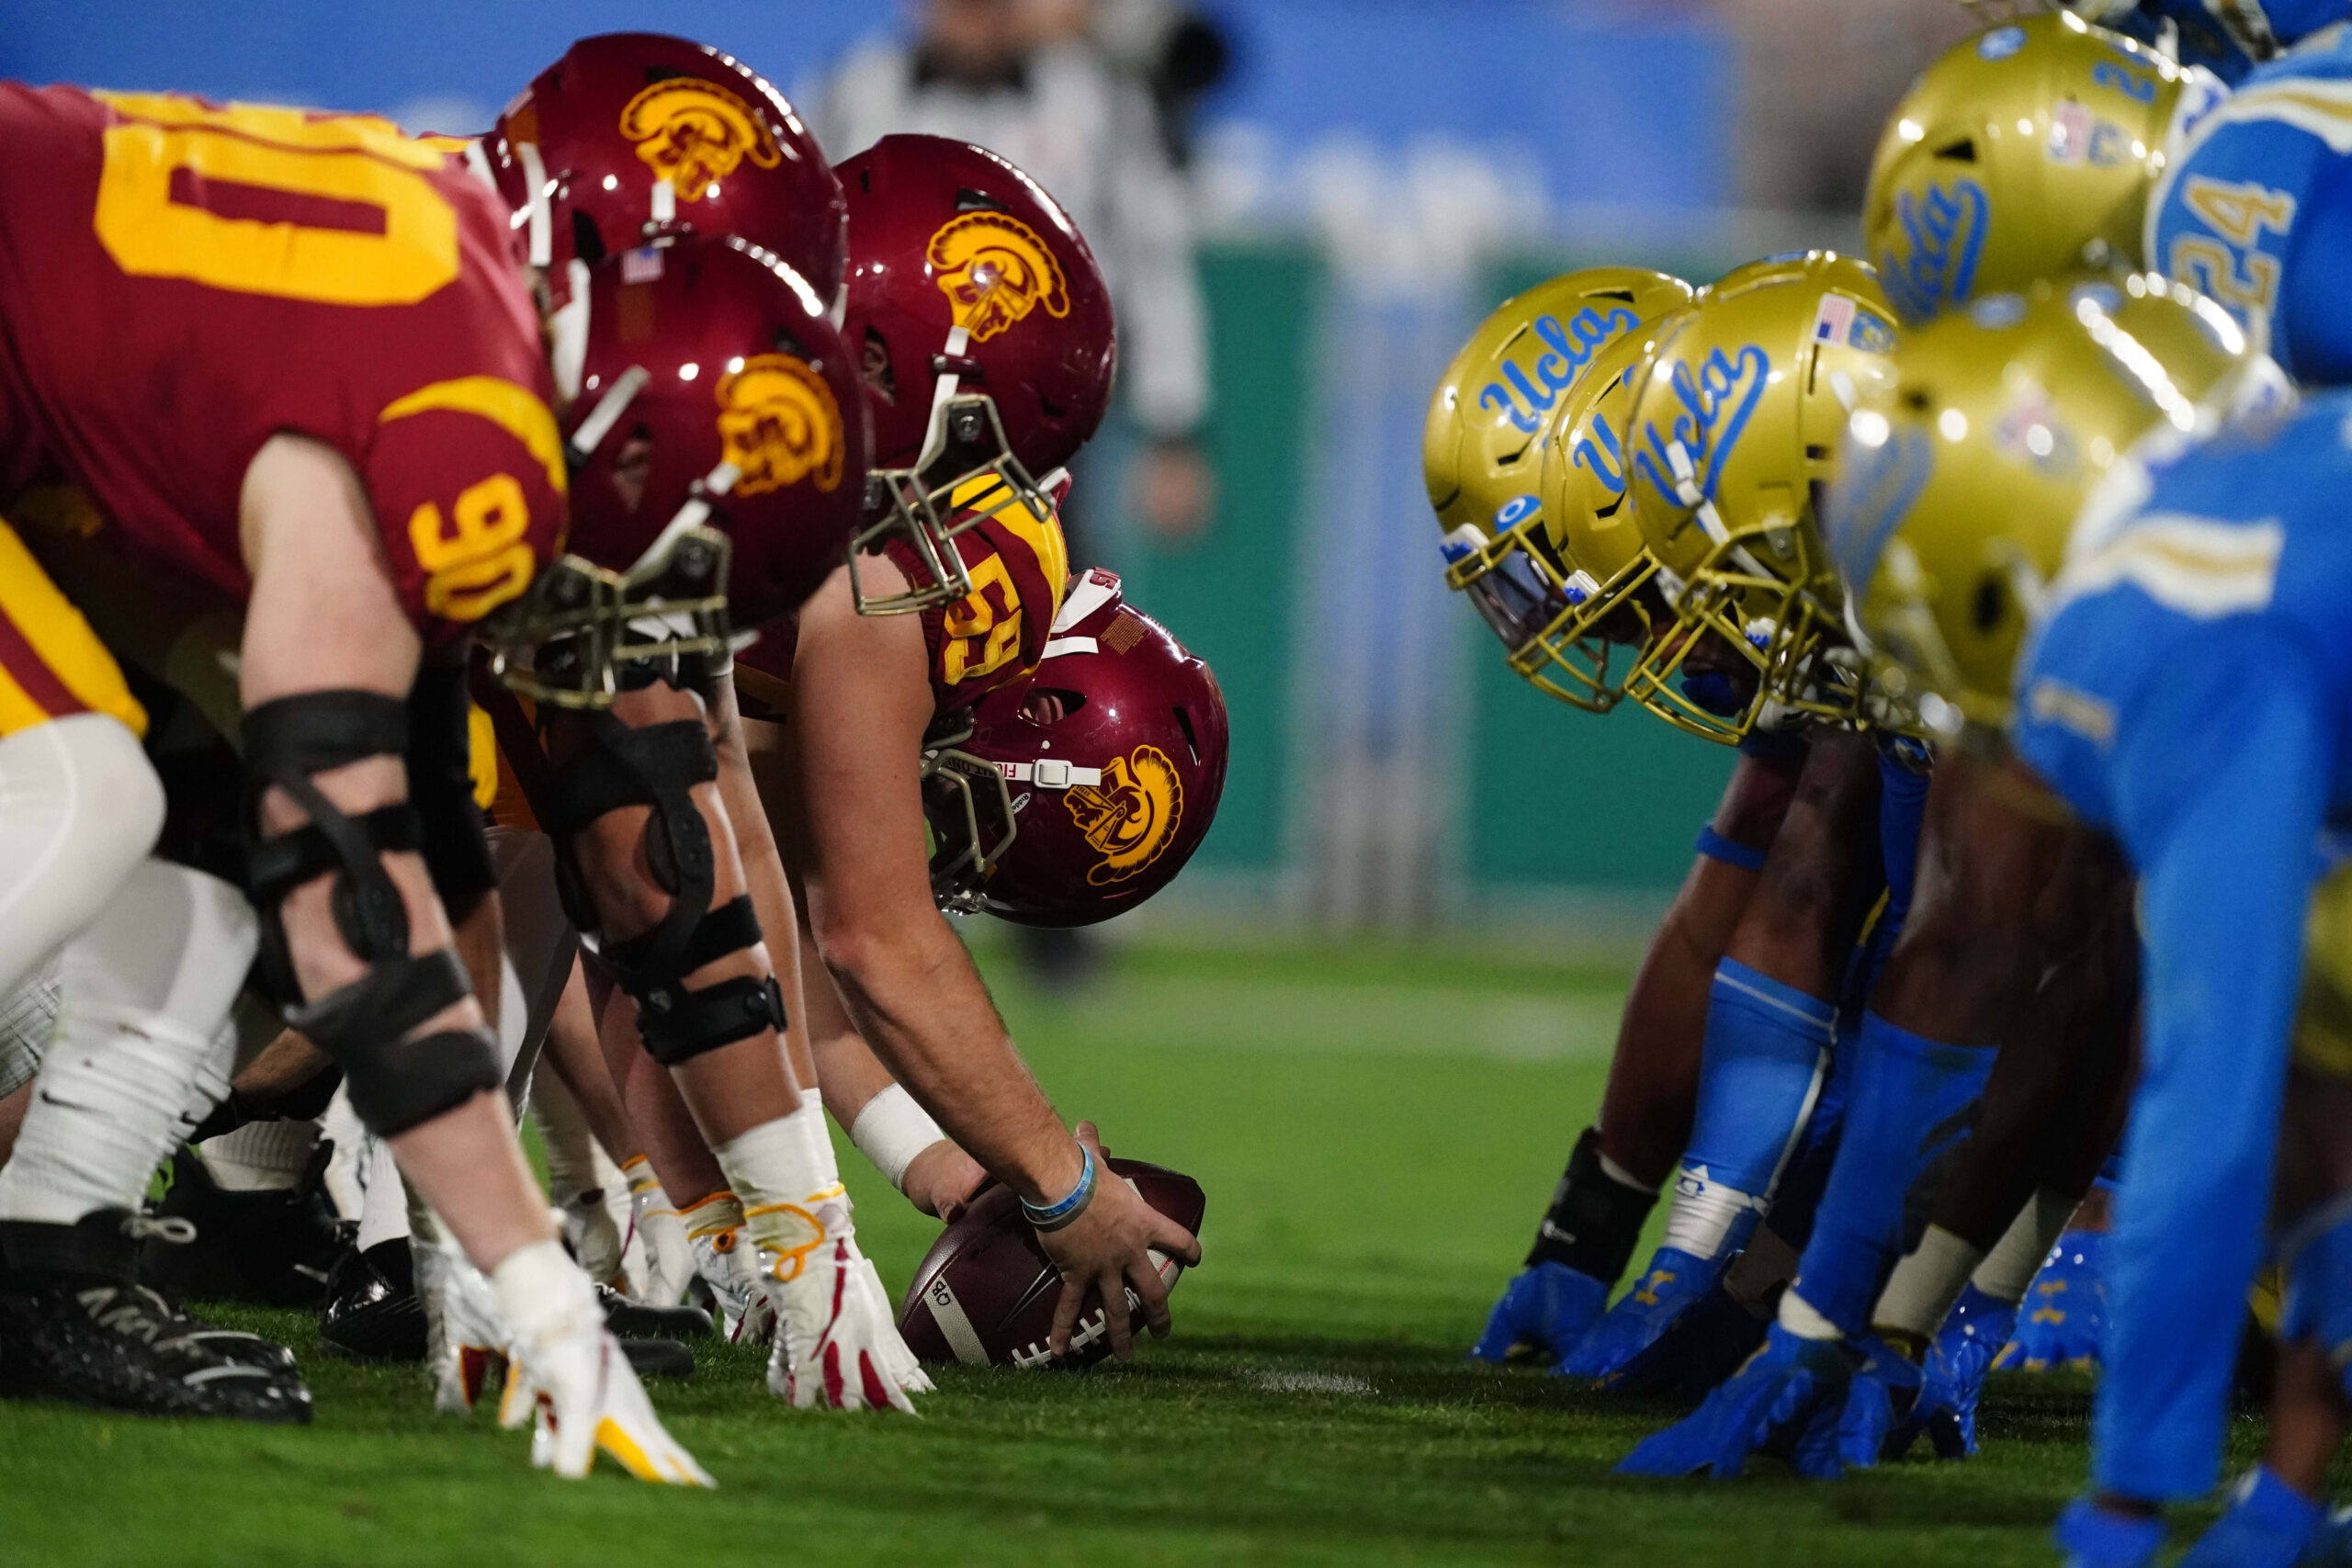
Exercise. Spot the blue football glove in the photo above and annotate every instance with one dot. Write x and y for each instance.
(1885, 1391)
(1953, 1378)
(1788, 1400)
(2268, 1525)
(2063, 1311)
(2093, 1538)
(1670, 1287)
(1544, 1310)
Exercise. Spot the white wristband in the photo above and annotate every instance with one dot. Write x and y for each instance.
(891, 1130)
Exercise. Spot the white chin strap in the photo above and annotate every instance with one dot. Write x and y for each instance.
(942, 392)
(664, 209)
(607, 411)
(539, 197)
(692, 513)
(1050, 772)
(567, 333)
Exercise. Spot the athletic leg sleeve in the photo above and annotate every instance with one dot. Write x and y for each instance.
(260, 1157)
(1767, 1052)
(1914, 1099)
(1596, 1216)
(80, 807)
(143, 994)
(2008, 1269)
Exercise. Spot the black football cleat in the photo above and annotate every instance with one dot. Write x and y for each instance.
(632, 1319)
(275, 1248)
(75, 1324)
(658, 1359)
(372, 1313)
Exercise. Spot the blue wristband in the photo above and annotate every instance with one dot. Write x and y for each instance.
(1056, 1216)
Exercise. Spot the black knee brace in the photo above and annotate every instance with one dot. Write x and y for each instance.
(395, 1082)
(441, 788)
(658, 767)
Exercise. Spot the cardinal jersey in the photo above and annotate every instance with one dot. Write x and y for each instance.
(180, 281)
(996, 634)
(2257, 210)
(2190, 691)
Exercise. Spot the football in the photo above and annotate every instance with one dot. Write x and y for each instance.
(984, 1294)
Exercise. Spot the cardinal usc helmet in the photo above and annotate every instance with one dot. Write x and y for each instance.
(1967, 473)
(984, 333)
(1078, 794)
(1735, 421)
(1482, 453)
(718, 452)
(2023, 152)
(633, 137)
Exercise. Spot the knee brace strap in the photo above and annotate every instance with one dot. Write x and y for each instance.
(395, 1082)
(287, 743)
(440, 783)
(678, 1024)
(657, 766)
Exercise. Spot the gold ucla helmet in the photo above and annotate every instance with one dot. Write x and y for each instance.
(1480, 459)
(1827, 269)
(2023, 152)
(1735, 421)
(1963, 476)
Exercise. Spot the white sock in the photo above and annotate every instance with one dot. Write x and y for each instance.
(1920, 1292)
(784, 1174)
(28, 1018)
(1800, 1318)
(2008, 1269)
(1708, 1218)
(260, 1157)
(383, 1208)
(142, 993)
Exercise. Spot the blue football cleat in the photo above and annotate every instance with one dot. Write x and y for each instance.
(1674, 1283)
(1885, 1392)
(2093, 1538)
(2268, 1524)
(1788, 1401)
(1953, 1377)
(2059, 1323)
(1543, 1312)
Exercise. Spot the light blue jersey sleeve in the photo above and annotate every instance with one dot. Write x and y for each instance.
(2255, 212)
(2214, 772)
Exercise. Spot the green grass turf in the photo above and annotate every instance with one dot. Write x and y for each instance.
(1376, 1130)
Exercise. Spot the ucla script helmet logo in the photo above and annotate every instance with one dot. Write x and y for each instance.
(694, 133)
(778, 424)
(1130, 818)
(1933, 262)
(995, 271)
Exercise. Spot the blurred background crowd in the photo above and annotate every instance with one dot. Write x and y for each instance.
(1303, 207)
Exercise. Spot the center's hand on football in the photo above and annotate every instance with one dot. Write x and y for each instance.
(1107, 1251)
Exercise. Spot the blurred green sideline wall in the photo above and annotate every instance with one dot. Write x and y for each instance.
(1557, 800)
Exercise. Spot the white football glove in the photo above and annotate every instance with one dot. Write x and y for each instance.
(660, 1236)
(720, 1260)
(590, 1233)
(465, 1336)
(835, 1343)
(569, 1379)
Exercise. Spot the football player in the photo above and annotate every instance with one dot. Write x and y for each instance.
(386, 474)
(2170, 579)
(1516, 417)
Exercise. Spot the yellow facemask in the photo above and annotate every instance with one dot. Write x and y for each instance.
(1481, 456)
(1735, 419)
(1963, 475)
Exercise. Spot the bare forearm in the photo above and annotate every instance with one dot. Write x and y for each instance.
(920, 1006)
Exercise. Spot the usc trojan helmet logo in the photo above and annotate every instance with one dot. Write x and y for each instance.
(995, 270)
(1131, 816)
(693, 133)
(777, 423)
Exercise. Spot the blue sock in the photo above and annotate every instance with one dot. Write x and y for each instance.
(2268, 1525)
(2093, 1538)
(1911, 1101)
(1767, 1052)
(2318, 1253)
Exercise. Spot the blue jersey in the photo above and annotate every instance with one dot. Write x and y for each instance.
(2256, 208)
(2194, 32)
(2188, 690)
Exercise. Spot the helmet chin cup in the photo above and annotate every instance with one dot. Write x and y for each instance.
(564, 643)
(978, 786)
(926, 507)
